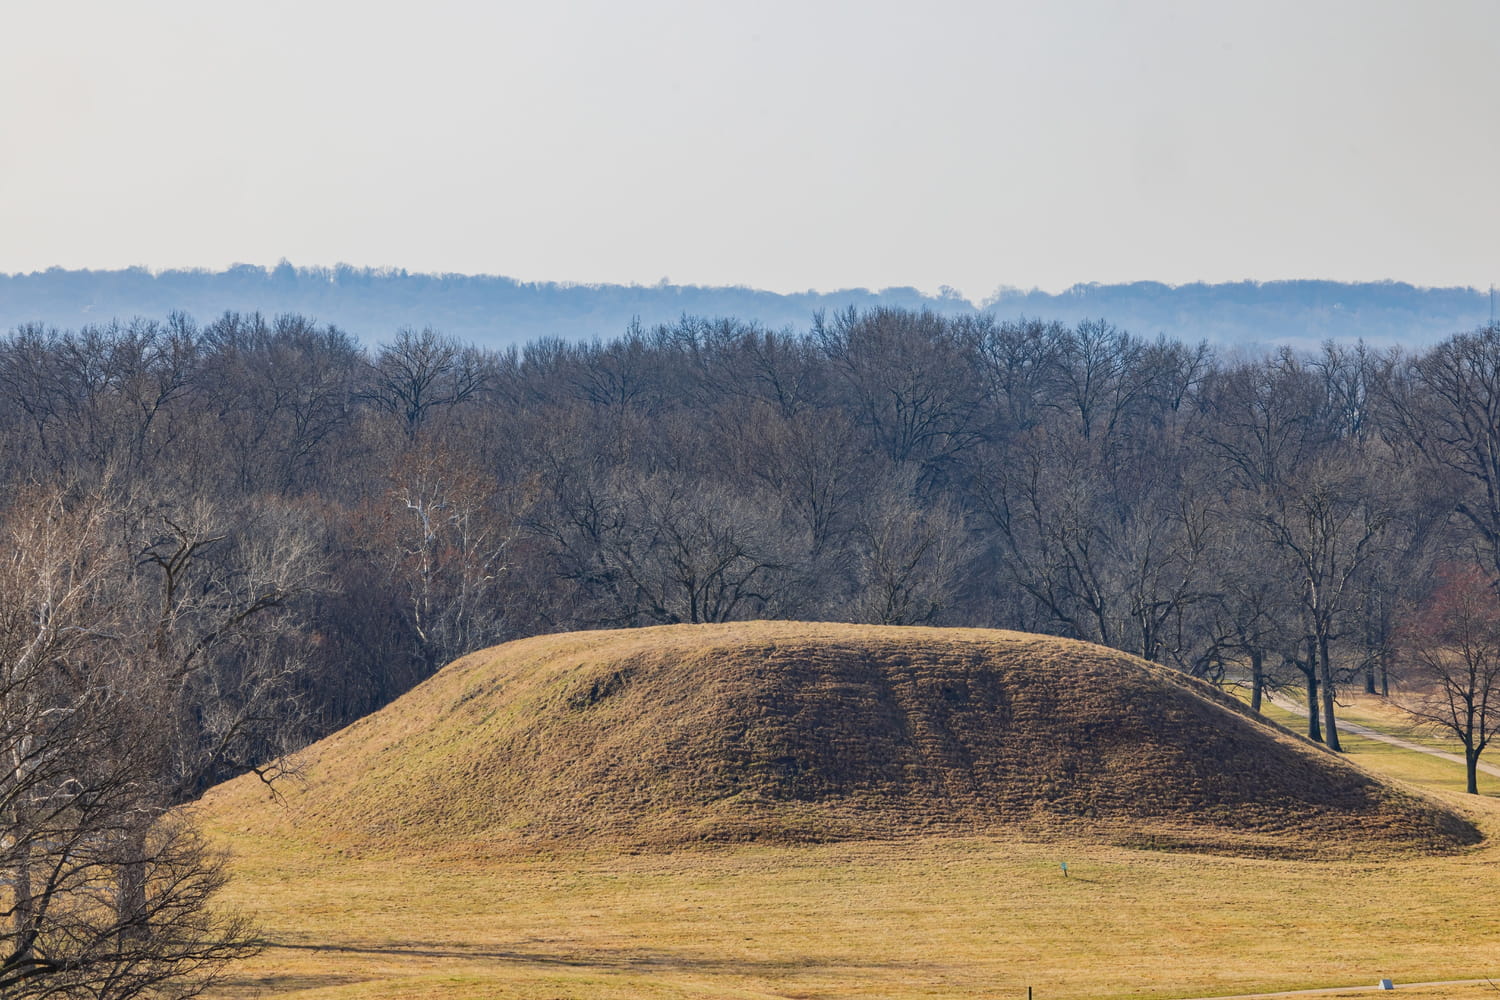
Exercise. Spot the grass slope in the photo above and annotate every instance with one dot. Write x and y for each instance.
(793, 732)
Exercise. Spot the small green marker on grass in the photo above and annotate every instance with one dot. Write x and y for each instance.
(1065, 869)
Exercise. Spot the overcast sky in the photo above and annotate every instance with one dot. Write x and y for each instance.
(780, 145)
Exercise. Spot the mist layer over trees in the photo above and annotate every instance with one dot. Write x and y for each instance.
(498, 312)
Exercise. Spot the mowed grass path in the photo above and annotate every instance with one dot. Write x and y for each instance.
(913, 918)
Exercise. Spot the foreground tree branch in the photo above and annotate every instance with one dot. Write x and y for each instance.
(103, 893)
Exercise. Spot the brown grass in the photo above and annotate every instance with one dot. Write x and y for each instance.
(373, 884)
(787, 732)
(950, 918)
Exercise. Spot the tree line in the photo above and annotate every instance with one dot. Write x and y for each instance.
(228, 539)
(498, 311)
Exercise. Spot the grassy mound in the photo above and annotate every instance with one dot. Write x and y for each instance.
(789, 732)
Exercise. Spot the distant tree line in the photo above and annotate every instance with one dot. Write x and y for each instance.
(494, 311)
(226, 540)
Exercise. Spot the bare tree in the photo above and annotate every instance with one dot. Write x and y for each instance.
(1019, 366)
(36, 401)
(281, 395)
(444, 535)
(1444, 406)
(908, 381)
(1451, 649)
(107, 897)
(1329, 525)
(812, 460)
(664, 547)
(131, 378)
(418, 373)
(1093, 489)
(911, 559)
(1253, 617)
(216, 594)
(1319, 496)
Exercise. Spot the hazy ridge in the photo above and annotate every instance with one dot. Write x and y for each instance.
(497, 311)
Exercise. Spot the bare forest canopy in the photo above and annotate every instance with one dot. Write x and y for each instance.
(496, 311)
(306, 527)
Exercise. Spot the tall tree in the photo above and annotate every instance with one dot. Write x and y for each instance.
(908, 382)
(1444, 405)
(1329, 525)
(1451, 649)
(420, 373)
(1266, 427)
(442, 536)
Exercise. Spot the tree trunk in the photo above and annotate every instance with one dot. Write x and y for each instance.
(1370, 678)
(130, 901)
(1257, 678)
(25, 907)
(1471, 765)
(1313, 732)
(1325, 672)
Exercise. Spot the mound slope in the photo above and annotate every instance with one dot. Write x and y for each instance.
(790, 731)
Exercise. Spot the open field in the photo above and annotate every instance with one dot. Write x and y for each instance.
(924, 916)
(937, 918)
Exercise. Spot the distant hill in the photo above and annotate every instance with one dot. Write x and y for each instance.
(373, 304)
(797, 732)
(497, 311)
(1264, 314)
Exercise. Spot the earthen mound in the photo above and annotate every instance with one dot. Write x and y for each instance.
(786, 732)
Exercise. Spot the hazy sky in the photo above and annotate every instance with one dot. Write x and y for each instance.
(780, 145)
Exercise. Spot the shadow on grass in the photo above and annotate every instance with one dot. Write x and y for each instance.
(620, 962)
(232, 987)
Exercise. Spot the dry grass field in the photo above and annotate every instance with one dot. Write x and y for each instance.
(363, 904)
